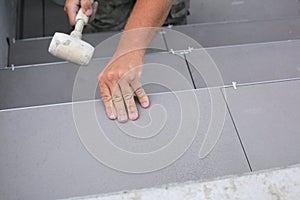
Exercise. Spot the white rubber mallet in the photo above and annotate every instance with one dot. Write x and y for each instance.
(71, 47)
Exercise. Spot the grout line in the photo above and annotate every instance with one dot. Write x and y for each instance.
(165, 41)
(264, 82)
(296, 17)
(236, 130)
(87, 101)
(8, 52)
(274, 42)
(190, 72)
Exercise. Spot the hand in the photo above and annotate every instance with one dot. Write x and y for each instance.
(116, 81)
(72, 7)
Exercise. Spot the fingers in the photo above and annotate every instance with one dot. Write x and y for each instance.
(87, 7)
(117, 81)
(118, 102)
(71, 8)
(114, 95)
(140, 93)
(129, 100)
(107, 100)
(95, 6)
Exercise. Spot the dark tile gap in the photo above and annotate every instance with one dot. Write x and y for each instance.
(190, 72)
(165, 41)
(236, 130)
(8, 52)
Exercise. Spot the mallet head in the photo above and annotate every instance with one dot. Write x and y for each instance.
(71, 49)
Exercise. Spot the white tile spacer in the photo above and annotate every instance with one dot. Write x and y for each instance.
(172, 51)
(12, 67)
(234, 84)
(170, 26)
(13, 40)
(190, 49)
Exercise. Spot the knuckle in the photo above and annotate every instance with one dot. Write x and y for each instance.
(110, 76)
(140, 92)
(127, 96)
(103, 90)
(130, 77)
(121, 74)
(117, 98)
(106, 98)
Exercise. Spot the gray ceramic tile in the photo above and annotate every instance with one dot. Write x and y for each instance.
(267, 119)
(212, 35)
(42, 156)
(247, 63)
(106, 48)
(53, 83)
(32, 19)
(56, 20)
(35, 51)
(205, 11)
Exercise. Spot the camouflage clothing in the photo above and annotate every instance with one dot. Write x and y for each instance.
(112, 15)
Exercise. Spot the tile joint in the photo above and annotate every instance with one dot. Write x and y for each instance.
(182, 52)
(237, 132)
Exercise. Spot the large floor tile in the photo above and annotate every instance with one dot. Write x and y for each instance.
(232, 33)
(43, 156)
(267, 119)
(245, 63)
(53, 83)
(35, 51)
(206, 11)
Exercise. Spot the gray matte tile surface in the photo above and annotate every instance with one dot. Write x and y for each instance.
(205, 11)
(35, 51)
(267, 119)
(27, 52)
(49, 84)
(248, 63)
(212, 35)
(42, 156)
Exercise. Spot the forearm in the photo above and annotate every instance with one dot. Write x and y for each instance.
(145, 20)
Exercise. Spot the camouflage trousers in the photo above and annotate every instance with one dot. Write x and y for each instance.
(112, 15)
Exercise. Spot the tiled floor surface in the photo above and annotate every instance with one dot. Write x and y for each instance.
(255, 126)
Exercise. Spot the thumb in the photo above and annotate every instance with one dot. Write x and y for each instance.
(87, 7)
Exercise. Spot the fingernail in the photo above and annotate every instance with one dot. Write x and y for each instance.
(89, 12)
(112, 116)
(145, 104)
(133, 116)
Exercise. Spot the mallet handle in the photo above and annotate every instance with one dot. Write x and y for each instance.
(81, 21)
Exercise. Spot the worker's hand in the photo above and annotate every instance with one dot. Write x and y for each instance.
(72, 7)
(116, 82)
